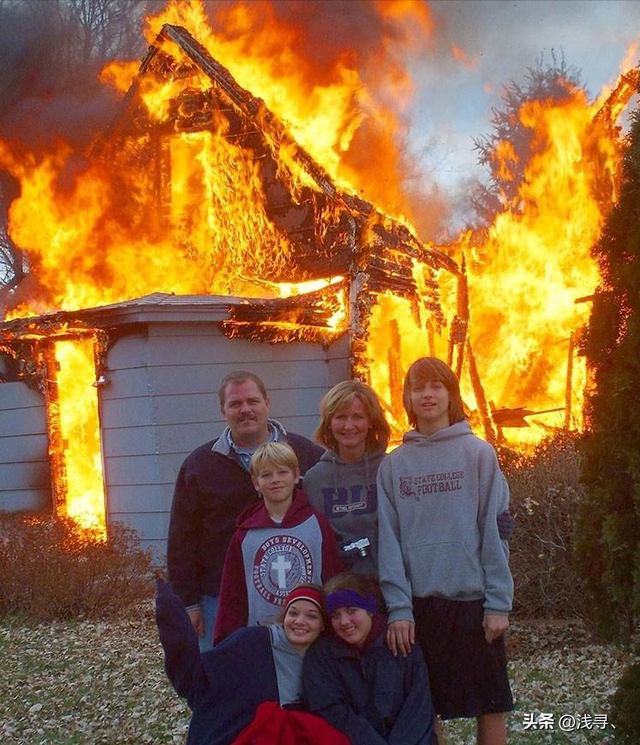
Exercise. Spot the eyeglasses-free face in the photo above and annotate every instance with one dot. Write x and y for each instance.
(352, 625)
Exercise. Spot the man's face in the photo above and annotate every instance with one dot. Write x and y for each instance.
(246, 411)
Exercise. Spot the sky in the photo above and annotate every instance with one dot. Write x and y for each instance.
(501, 39)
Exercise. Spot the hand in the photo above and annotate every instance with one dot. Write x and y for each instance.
(494, 626)
(401, 635)
(197, 620)
(506, 525)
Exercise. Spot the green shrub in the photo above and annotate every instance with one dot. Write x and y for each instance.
(545, 493)
(625, 707)
(52, 569)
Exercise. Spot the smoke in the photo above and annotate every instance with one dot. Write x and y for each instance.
(52, 53)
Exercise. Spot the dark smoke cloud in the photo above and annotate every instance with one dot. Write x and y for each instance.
(51, 58)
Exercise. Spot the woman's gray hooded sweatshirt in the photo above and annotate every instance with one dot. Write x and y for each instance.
(438, 499)
(345, 493)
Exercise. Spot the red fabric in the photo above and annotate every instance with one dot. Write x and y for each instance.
(303, 593)
(275, 726)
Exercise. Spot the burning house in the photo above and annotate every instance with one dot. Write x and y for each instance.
(199, 236)
(113, 397)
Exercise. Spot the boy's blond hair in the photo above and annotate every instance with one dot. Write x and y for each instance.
(273, 453)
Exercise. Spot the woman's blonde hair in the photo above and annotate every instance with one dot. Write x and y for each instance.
(338, 398)
(275, 454)
(427, 369)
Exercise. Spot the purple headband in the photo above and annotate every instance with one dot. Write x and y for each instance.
(350, 599)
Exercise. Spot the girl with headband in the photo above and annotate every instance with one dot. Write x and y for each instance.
(249, 685)
(352, 680)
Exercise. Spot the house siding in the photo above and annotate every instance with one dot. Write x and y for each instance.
(160, 402)
(25, 478)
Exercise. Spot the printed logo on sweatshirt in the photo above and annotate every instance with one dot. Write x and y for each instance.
(413, 487)
(281, 563)
(343, 501)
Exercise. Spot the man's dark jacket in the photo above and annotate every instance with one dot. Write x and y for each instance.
(211, 490)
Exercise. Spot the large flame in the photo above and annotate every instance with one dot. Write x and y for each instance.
(92, 238)
(77, 404)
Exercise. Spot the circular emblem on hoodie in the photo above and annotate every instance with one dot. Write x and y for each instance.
(281, 562)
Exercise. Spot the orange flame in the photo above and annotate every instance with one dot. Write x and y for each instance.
(79, 430)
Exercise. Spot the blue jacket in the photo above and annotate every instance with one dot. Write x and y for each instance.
(371, 696)
(224, 686)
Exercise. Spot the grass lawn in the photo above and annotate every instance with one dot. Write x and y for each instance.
(103, 683)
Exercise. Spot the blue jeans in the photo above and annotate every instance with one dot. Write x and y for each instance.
(209, 607)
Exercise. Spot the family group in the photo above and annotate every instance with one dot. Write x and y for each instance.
(333, 592)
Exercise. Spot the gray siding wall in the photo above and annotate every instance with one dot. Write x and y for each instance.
(161, 402)
(25, 481)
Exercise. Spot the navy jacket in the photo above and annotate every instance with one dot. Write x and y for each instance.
(211, 490)
(224, 686)
(371, 696)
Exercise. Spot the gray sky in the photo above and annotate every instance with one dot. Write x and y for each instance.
(453, 101)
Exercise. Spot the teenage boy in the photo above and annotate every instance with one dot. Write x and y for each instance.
(279, 543)
(444, 569)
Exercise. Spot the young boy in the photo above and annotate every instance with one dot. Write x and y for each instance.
(444, 570)
(279, 543)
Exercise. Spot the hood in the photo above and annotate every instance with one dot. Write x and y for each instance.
(459, 429)
(330, 456)
(332, 464)
(256, 516)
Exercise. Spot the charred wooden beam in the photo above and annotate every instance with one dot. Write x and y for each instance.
(275, 333)
(481, 399)
(57, 445)
(568, 396)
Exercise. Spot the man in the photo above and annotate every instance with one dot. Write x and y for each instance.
(213, 487)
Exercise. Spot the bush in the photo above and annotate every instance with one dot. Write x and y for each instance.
(52, 569)
(545, 493)
(625, 707)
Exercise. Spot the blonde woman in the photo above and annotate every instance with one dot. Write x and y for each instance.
(342, 485)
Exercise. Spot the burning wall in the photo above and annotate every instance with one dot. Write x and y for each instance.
(159, 361)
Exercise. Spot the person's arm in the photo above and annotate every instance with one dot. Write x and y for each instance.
(394, 583)
(179, 641)
(415, 724)
(494, 553)
(182, 544)
(324, 695)
(233, 610)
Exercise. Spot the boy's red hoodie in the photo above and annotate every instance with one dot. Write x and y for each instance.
(266, 560)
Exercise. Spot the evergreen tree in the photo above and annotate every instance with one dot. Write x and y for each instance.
(608, 529)
(510, 146)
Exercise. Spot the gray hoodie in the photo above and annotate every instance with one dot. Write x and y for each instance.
(439, 497)
(345, 493)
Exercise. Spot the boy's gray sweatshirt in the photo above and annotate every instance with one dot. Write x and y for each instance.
(345, 493)
(438, 499)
